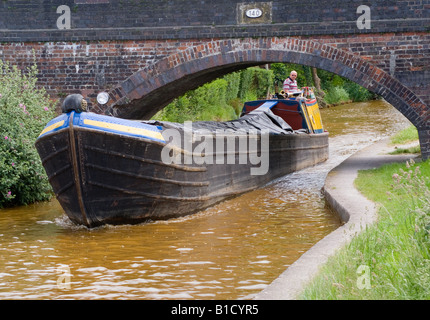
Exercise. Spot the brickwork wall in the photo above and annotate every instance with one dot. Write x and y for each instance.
(87, 67)
(110, 40)
(129, 47)
(36, 20)
(91, 66)
(406, 56)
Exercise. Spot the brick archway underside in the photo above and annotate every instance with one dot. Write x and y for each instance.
(152, 88)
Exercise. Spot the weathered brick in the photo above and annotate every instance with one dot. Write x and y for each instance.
(144, 41)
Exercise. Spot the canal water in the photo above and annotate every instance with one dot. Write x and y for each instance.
(230, 251)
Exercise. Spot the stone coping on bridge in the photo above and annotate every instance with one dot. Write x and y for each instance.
(354, 210)
(208, 32)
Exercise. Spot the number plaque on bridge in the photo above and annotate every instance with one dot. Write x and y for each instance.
(254, 13)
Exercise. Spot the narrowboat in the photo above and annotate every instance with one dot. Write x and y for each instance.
(108, 170)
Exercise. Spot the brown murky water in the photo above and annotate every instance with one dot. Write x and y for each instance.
(230, 251)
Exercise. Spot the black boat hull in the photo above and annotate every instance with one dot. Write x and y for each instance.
(105, 170)
(107, 178)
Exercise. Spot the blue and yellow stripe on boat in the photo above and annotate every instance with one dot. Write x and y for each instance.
(106, 124)
(52, 127)
(120, 126)
(56, 124)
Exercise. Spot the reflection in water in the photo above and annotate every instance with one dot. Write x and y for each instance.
(230, 251)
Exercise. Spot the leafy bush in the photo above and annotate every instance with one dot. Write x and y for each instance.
(254, 83)
(221, 99)
(233, 84)
(357, 93)
(336, 95)
(208, 102)
(24, 111)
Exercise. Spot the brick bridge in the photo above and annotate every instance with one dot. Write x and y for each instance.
(146, 53)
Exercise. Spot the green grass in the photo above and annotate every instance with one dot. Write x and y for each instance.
(391, 258)
(411, 150)
(405, 136)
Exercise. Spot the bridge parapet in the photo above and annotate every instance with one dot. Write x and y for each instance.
(93, 20)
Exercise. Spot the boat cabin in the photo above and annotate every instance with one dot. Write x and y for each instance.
(296, 110)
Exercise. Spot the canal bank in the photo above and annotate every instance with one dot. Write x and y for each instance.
(354, 210)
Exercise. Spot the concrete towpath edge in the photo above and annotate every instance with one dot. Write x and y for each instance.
(354, 210)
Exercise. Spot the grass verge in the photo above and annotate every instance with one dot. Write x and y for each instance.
(391, 258)
(403, 137)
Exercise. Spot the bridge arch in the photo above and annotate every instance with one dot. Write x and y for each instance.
(153, 87)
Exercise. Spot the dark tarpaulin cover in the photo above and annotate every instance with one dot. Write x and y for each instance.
(260, 120)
